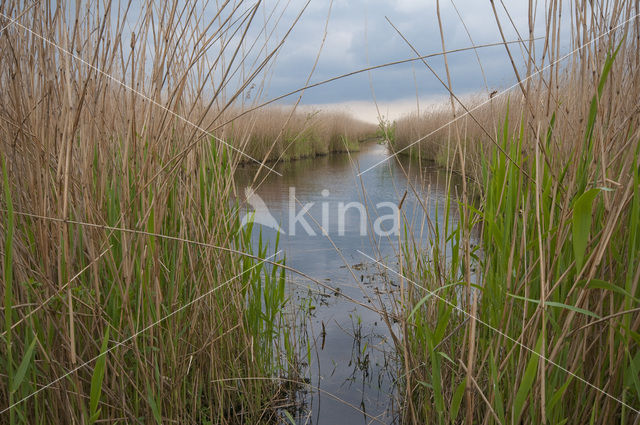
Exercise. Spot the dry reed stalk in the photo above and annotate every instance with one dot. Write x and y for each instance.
(102, 119)
(573, 128)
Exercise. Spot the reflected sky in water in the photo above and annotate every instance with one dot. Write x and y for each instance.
(351, 355)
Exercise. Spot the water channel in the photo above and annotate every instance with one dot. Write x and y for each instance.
(352, 367)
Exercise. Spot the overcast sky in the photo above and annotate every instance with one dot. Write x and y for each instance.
(358, 35)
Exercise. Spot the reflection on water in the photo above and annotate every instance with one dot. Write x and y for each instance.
(351, 357)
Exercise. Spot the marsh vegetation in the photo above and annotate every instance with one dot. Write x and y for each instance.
(539, 321)
(132, 293)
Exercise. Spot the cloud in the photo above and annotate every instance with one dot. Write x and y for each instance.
(372, 112)
(359, 35)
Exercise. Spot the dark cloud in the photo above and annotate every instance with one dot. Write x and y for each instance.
(359, 35)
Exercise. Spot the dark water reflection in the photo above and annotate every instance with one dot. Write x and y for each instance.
(351, 355)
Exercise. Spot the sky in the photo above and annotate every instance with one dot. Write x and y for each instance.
(350, 35)
(359, 35)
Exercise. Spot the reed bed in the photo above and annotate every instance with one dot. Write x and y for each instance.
(280, 134)
(120, 253)
(428, 136)
(125, 296)
(527, 310)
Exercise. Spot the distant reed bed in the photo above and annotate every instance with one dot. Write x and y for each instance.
(428, 135)
(282, 134)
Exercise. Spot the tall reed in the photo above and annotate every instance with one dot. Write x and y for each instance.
(535, 318)
(105, 187)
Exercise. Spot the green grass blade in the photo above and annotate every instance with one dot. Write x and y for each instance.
(602, 284)
(557, 305)
(436, 375)
(607, 67)
(498, 401)
(582, 225)
(634, 365)
(24, 365)
(526, 383)
(290, 418)
(572, 308)
(426, 297)
(456, 400)
(97, 379)
(154, 406)
(557, 396)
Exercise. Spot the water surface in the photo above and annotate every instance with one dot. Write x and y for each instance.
(351, 360)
